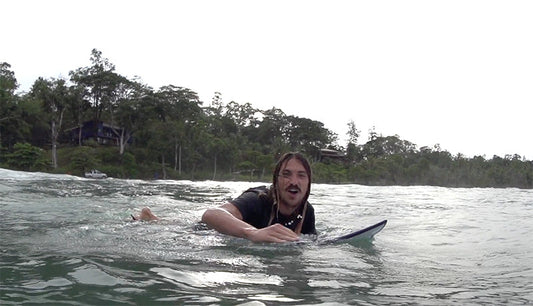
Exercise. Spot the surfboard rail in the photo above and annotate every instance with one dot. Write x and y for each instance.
(365, 233)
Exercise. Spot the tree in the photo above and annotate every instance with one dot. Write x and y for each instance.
(26, 124)
(182, 107)
(353, 152)
(159, 131)
(372, 134)
(78, 108)
(129, 115)
(171, 125)
(216, 103)
(52, 94)
(26, 157)
(8, 85)
(82, 159)
(379, 146)
(241, 115)
(8, 82)
(271, 132)
(353, 133)
(307, 135)
(107, 91)
(215, 147)
(102, 86)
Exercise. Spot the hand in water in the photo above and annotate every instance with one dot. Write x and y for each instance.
(273, 233)
(145, 215)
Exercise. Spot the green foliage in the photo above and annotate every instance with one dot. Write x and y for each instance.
(437, 168)
(8, 82)
(169, 133)
(246, 166)
(329, 173)
(129, 166)
(26, 157)
(82, 159)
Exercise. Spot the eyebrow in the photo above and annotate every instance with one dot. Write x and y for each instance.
(287, 171)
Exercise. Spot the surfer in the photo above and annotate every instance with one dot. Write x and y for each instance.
(279, 213)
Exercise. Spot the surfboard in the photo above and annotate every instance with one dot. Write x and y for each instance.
(366, 233)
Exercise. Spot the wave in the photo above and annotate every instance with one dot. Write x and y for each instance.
(26, 175)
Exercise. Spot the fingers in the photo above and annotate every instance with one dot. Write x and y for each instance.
(283, 233)
(274, 233)
(145, 215)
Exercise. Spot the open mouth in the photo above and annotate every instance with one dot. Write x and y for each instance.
(293, 190)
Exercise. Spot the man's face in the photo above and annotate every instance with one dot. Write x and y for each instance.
(293, 182)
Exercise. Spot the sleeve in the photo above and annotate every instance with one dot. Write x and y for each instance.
(248, 205)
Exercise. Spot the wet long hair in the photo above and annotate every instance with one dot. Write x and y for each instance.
(273, 193)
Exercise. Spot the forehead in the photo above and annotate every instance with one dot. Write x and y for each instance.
(294, 165)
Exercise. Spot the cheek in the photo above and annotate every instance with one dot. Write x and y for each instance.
(280, 185)
(305, 186)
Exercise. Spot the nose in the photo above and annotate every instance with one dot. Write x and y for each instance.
(293, 179)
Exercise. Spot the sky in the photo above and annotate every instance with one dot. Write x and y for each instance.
(458, 74)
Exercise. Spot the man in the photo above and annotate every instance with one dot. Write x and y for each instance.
(276, 214)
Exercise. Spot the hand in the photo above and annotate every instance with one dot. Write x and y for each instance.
(273, 233)
(146, 215)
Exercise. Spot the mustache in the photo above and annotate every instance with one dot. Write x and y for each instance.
(292, 186)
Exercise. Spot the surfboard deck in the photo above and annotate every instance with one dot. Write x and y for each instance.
(366, 233)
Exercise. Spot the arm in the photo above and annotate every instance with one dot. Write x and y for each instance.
(227, 219)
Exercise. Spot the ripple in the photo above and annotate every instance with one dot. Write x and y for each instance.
(70, 240)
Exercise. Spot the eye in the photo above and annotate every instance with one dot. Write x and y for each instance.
(286, 174)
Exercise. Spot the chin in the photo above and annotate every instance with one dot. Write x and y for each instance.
(294, 202)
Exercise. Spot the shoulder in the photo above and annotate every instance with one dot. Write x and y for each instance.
(259, 189)
(252, 202)
(252, 194)
(310, 209)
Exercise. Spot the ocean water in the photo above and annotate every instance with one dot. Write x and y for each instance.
(67, 240)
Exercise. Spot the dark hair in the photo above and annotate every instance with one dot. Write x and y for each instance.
(285, 158)
(273, 195)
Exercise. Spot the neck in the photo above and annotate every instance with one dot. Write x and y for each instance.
(287, 210)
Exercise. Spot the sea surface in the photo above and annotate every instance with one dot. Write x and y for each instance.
(67, 240)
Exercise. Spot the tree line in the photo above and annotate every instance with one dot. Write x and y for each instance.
(169, 133)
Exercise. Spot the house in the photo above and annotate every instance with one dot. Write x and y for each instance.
(330, 154)
(99, 131)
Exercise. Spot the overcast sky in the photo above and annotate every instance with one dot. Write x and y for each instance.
(454, 73)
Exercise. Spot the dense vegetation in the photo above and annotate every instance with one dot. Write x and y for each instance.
(169, 133)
